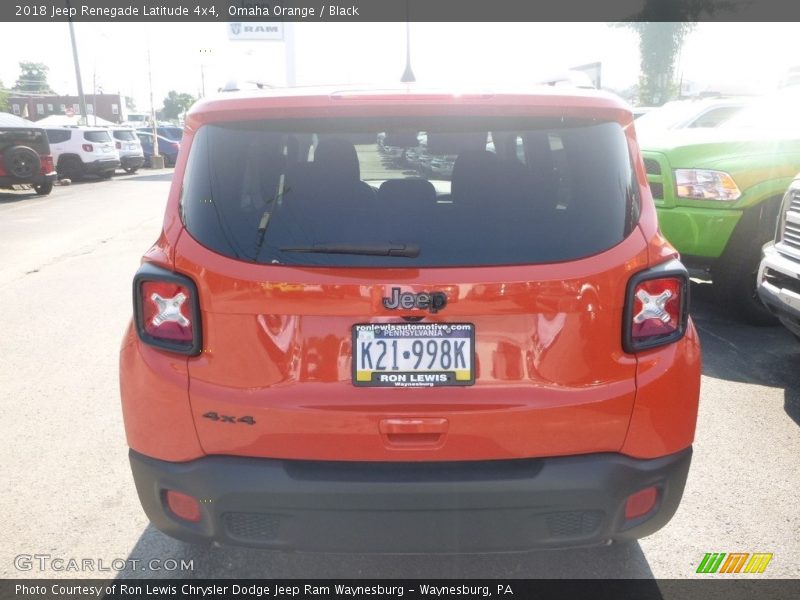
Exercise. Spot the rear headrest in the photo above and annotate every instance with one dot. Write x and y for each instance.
(474, 173)
(407, 192)
(336, 160)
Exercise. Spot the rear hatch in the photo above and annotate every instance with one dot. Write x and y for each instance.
(354, 308)
(127, 143)
(98, 146)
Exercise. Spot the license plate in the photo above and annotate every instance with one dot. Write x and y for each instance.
(413, 354)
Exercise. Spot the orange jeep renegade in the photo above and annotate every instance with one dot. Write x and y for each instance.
(410, 321)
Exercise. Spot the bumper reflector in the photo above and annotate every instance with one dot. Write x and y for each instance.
(183, 506)
(641, 503)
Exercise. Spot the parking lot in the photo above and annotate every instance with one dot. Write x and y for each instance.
(65, 299)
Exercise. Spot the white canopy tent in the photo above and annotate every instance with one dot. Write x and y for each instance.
(9, 120)
(65, 121)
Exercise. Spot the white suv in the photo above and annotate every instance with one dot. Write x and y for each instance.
(129, 147)
(79, 151)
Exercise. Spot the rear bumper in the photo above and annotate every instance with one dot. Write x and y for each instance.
(779, 287)
(6, 181)
(100, 166)
(132, 162)
(485, 506)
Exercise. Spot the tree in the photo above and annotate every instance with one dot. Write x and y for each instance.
(33, 78)
(4, 107)
(662, 25)
(176, 104)
(659, 45)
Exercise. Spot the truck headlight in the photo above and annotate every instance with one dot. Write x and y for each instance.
(704, 184)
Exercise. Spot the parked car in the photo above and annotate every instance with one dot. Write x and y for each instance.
(640, 111)
(687, 114)
(81, 151)
(137, 120)
(166, 147)
(779, 272)
(718, 191)
(130, 150)
(171, 132)
(393, 145)
(499, 360)
(25, 159)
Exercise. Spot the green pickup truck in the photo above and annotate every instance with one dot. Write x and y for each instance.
(718, 192)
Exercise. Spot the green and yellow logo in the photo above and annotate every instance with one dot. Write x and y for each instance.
(735, 562)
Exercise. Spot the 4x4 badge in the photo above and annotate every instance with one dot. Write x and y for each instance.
(432, 301)
(229, 419)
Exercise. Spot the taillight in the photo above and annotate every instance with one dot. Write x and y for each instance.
(656, 307)
(47, 164)
(118, 145)
(166, 309)
(88, 148)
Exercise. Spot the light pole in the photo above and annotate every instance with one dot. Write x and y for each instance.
(94, 93)
(288, 48)
(84, 120)
(203, 53)
(156, 162)
(103, 35)
(408, 74)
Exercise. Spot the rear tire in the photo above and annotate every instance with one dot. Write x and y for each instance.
(21, 163)
(43, 189)
(130, 170)
(70, 167)
(106, 175)
(735, 287)
(736, 276)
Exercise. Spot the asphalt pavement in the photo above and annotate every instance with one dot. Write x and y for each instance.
(65, 299)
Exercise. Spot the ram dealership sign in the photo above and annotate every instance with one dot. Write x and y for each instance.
(256, 31)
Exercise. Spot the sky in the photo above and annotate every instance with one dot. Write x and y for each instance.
(731, 57)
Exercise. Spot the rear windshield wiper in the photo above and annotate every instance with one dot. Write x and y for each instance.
(273, 204)
(402, 250)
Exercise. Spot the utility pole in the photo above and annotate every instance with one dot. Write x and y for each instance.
(288, 48)
(155, 161)
(84, 120)
(94, 93)
(408, 74)
(203, 53)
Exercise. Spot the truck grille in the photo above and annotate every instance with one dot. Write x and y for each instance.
(657, 175)
(790, 234)
(794, 205)
(657, 189)
(652, 166)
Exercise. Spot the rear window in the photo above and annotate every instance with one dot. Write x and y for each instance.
(96, 136)
(402, 192)
(58, 136)
(126, 136)
(35, 139)
(172, 133)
